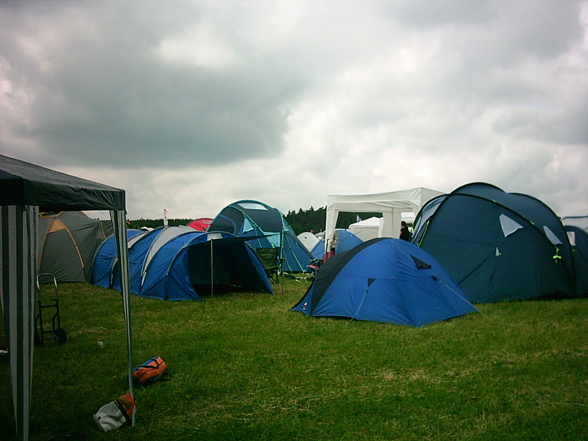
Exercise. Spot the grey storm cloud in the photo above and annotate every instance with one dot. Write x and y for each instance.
(265, 99)
(83, 76)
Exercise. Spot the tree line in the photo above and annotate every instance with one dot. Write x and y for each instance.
(300, 221)
(156, 223)
(315, 220)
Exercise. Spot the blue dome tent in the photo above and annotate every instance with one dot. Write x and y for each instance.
(167, 263)
(267, 228)
(346, 240)
(384, 280)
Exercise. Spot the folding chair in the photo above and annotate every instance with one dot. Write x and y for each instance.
(270, 261)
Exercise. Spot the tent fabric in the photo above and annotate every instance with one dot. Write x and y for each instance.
(28, 189)
(576, 221)
(579, 241)
(366, 229)
(391, 205)
(19, 256)
(105, 258)
(67, 244)
(384, 280)
(136, 257)
(497, 245)
(163, 240)
(346, 240)
(200, 224)
(28, 184)
(318, 251)
(308, 239)
(247, 218)
(168, 262)
(213, 259)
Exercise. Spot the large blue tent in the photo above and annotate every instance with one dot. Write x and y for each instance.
(384, 280)
(169, 262)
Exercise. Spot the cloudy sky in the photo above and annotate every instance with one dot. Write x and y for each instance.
(191, 105)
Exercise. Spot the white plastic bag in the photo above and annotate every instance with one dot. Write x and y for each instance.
(116, 413)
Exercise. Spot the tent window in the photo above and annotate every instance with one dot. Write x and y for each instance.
(508, 225)
(572, 238)
(252, 206)
(275, 240)
(247, 226)
(551, 236)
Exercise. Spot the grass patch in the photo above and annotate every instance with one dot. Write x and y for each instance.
(245, 368)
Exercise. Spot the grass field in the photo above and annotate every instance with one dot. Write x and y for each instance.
(246, 368)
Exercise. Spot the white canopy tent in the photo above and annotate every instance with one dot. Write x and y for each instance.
(391, 205)
(366, 229)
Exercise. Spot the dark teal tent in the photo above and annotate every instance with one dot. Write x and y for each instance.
(267, 228)
(496, 245)
(579, 241)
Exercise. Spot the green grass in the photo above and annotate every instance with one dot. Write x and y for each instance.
(246, 368)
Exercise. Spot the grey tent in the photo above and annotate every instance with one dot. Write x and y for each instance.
(25, 190)
(68, 242)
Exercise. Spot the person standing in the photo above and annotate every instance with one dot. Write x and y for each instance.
(404, 231)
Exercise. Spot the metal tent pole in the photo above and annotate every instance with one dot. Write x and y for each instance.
(211, 269)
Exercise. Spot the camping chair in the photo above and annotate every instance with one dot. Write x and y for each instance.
(271, 263)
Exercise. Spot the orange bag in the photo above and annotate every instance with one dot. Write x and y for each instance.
(150, 371)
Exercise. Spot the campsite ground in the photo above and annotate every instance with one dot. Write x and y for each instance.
(245, 368)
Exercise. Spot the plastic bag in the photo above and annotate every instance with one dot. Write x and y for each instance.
(115, 414)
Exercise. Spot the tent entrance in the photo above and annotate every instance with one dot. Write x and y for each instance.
(223, 263)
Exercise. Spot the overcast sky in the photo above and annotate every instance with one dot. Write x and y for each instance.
(192, 105)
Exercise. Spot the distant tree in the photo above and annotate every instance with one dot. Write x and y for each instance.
(315, 219)
(299, 220)
(156, 223)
